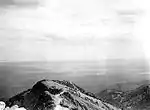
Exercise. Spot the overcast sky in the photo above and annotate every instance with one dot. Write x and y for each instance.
(74, 29)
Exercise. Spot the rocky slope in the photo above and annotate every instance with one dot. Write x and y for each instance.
(58, 95)
(137, 99)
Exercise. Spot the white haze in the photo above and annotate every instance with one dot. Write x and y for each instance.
(56, 30)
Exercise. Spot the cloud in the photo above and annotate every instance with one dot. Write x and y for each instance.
(4, 3)
(26, 3)
(69, 28)
(67, 19)
(19, 3)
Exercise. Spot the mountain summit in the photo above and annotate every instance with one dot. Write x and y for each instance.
(58, 95)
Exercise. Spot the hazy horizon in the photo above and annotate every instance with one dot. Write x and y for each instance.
(92, 76)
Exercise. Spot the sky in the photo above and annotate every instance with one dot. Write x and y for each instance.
(66, 30)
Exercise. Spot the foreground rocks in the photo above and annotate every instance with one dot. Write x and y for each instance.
(58, 95)
(14, 107)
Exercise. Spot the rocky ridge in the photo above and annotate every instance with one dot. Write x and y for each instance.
(58, 95)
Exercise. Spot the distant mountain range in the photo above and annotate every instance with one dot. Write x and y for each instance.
(128, 96)
(58, 95)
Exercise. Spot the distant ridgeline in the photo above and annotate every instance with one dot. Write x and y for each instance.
(136, 99)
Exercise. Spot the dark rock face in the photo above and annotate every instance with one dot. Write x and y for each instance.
(58, 95)
(137, 99)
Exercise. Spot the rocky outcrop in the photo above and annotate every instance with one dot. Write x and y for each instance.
(58, 95)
